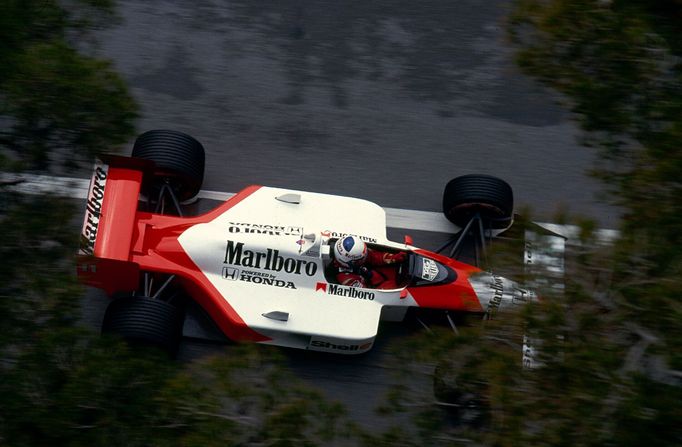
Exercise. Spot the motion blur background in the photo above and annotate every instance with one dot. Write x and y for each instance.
(577, 103)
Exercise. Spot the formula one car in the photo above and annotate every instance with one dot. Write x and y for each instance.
(260, 264)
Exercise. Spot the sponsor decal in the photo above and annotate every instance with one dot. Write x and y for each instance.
(529, 253)
(496, 292)
(338, 346)
(230, 273)
(494, 303)
(272, 230)
(522, 296)
(334, 234)
(429, 269)
(350, 292)
(528, 357)
(256, 278)
(93, 209)
(235, 254)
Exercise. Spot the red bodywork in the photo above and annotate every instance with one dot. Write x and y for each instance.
(455, 296)
(129, 241)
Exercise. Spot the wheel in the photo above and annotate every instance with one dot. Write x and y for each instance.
(147, 321)
(485, 195)
(179, 160)
(464, 396)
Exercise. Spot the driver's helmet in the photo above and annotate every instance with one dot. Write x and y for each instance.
(350, 251)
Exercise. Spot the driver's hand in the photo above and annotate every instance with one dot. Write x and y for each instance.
(394, 258)
(372, 277)
(365, 273)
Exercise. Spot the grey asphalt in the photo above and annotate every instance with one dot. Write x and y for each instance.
(384, 100)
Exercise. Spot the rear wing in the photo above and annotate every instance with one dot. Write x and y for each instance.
(110, 208)
(109, 223)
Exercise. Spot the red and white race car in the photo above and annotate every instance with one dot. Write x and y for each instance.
(260, 263)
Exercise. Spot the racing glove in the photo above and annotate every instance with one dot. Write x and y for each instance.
(371, 277)
(394, 258)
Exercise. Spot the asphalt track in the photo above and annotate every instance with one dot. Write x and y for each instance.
(384, 100)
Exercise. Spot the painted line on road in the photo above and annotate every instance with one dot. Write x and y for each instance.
(77, 188)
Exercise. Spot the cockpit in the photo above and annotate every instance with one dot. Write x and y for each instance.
(413, 270)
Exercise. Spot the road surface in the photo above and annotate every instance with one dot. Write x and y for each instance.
(384, 100)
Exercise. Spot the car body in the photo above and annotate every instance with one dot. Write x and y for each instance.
(259, 264)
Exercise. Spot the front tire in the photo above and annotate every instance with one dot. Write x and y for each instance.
(146, 321)
(489, 197)
(463, 396)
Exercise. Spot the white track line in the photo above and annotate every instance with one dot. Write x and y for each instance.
(77, 188)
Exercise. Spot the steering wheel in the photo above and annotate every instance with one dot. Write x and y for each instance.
(403, 277)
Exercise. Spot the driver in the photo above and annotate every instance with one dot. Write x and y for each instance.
(355, 262)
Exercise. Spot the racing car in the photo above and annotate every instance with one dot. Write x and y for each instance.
(260, 264)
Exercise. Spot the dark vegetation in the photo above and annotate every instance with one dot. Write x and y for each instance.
(611, 342)
(65, 385)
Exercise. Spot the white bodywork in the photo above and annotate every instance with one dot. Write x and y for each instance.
(266, 256)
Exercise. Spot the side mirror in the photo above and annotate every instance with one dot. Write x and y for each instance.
(325, 252)
(408, 240)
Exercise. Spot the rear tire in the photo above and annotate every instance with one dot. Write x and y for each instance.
(146, 321)
(489, 197)
(179, 159)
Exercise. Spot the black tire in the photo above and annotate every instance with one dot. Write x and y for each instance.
(465, 398)
(179, 159)
(490, 197)
(146, 321)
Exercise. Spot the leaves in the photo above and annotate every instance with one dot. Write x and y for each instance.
(37, 285)
(59, 107)
(609, 346)
(74, 388)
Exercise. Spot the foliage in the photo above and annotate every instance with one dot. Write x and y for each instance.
(74, 388)
(622, 71)
(619, 63)
(610, 346)
(62, 385)
(57, 106)
(600, 382)
(37, 284)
